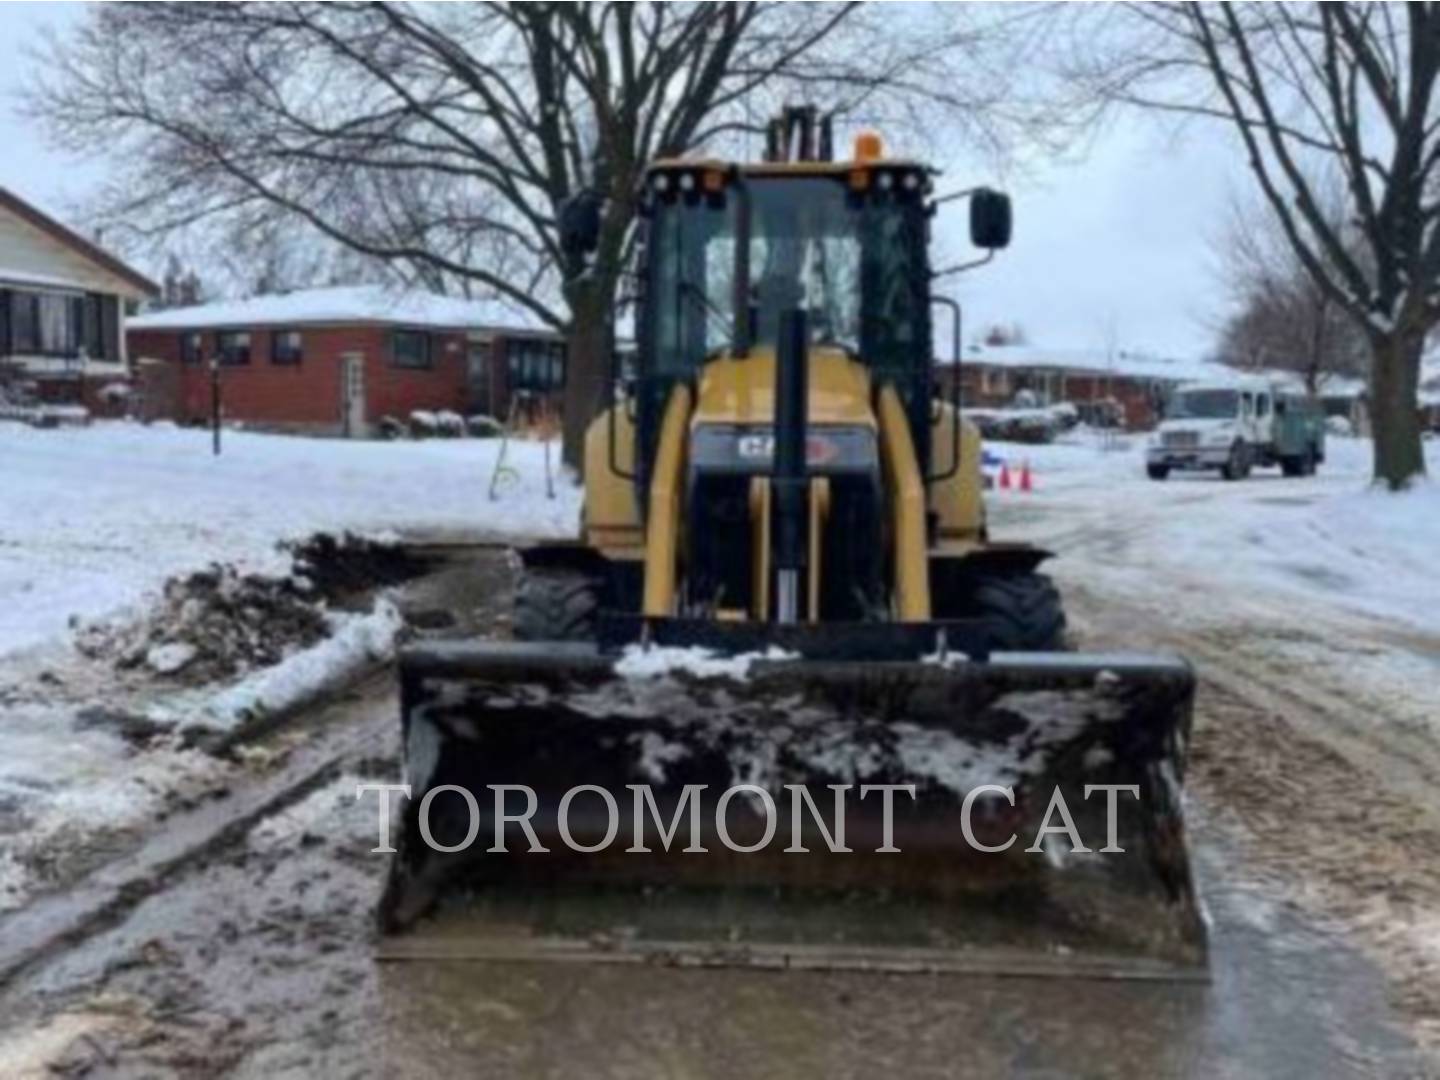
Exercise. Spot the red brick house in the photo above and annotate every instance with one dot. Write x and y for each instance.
(62, 309)
(1129, 386)
(340, 360)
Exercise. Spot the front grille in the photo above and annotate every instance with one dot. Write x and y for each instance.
(1181, 438)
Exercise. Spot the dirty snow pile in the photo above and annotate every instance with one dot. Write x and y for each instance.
(92, 519)
(211, 625)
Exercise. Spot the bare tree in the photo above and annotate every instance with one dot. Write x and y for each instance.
(1314, 89)
(443, 139)
(181, 285)
(1283, 319)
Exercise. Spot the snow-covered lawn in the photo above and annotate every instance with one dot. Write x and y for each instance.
(91, 519)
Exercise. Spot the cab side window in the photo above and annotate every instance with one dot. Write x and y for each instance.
(1262, 405)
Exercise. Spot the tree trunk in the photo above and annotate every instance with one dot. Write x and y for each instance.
(1395, 410)
(587, 370)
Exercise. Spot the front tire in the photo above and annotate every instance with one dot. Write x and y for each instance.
(1023, 612)
(555, 605)
(1157, 472)
(1238, 467)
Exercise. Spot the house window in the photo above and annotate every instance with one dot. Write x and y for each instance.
(191, 347)
(24, 330)
(92, 334)
(233, 346)
(535, 365)
(410, 349)
(46, 324)
(285, 347)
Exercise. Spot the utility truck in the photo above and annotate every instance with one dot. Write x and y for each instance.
(1236, 425)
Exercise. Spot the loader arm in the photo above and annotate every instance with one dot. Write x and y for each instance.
(662, 542)
(907, 509)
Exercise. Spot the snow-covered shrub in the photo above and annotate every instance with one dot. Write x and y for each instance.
(424, 424)
(1015, 425)
(449, 424)
(481, 426)
(1339, 425)
(51, 416)
(1066, 414)
(391, 428)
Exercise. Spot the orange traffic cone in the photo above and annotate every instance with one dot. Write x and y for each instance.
(1025, 483)
(1004, 477)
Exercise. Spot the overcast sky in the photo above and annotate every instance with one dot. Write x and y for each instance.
(1112, 248)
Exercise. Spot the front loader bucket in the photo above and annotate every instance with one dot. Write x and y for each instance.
(894, 855)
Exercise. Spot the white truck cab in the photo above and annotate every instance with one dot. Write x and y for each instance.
(1232, 426)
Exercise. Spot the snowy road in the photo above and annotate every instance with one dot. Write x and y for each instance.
(1311, 609)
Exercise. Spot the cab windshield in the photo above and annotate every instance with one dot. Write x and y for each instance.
(855, 261)
(1204, 405)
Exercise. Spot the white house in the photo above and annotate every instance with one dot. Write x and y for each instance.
(63, 301)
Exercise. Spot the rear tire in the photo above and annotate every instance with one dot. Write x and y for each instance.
(1302, 464)
(555, 605)
(1157, 472)
(1023, 612)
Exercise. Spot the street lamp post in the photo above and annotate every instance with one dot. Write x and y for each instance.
(215, 404)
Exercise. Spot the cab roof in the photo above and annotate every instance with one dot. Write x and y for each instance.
(784, 168)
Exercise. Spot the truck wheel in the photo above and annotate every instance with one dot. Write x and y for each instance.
(1238, 467)
(555, 605)
(1023, 612)
(1157, 472)
(1302, 464)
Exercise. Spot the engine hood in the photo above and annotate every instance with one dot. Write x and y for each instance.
(1198, 426)
(741, 391)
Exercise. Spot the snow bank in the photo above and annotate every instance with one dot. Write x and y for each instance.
(359, 642)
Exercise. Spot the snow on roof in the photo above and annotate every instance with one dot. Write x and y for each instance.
(1097, 361)
(347, 304)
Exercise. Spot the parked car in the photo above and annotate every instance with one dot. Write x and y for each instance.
(1235, 426)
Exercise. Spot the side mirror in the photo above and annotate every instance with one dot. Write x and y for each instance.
(989, 219)
(579, 222)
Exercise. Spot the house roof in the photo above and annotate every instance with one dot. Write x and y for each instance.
(86, 249)
(1094, 362)
(347, 304)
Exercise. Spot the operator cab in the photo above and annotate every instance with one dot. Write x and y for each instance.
(845, 241)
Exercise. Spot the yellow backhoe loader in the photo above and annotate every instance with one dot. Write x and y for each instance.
(785, 701)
